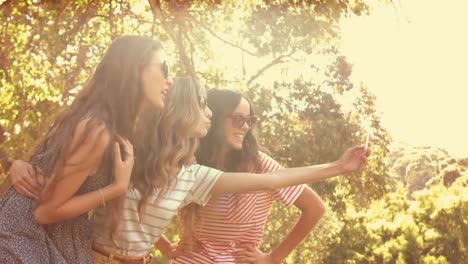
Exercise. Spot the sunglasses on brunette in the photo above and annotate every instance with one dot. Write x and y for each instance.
(238, 120)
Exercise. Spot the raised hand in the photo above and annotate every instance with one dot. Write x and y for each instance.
(24, 179)
(123, 162)
(250, 254)
(353, 159)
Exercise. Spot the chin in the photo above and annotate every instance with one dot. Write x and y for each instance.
(203, 134)
(236, 146)
(200, 134)
(160, 105)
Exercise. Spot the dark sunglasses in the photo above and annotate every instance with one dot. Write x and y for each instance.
(202, 102)
(165, 69)
(238, 120)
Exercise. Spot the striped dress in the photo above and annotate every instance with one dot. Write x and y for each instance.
(136, 238)
(232, 219)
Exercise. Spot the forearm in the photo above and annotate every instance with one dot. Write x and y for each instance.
(295, 176)
(247, 182)
(164, 245)
(312, 209)
(77, 205)
(297, 234)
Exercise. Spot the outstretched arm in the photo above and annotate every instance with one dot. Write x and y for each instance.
(352, 160)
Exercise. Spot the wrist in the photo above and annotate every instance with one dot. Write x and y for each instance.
(274, 258)
(168, 250)
(118, 188)
(338, 168)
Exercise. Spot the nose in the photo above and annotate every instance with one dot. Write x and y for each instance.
(169, 82)
(208, 112)
(245, 126)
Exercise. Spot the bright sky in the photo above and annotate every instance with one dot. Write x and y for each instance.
(413, 57)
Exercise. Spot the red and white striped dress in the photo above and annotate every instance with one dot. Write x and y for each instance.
(232, 219)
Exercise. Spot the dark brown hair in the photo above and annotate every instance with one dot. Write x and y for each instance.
(112, 95)
(222, 102)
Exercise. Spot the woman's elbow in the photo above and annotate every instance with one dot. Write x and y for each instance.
(42, 217)
(321, 209)
(315, 210)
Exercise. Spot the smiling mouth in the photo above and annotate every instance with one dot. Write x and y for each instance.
(239, 136)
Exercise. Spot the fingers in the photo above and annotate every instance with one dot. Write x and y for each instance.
(368, 152)
(245, 260)
(356, 151)
(365, 154)
(32, 172)
(31, 185)
(244, 253)
(32, 180)
(25, 192)
(127, 147)
(117, 154)
(364, 159)
(248, 247)
(248, 254)
(353, 149)
(23, 178)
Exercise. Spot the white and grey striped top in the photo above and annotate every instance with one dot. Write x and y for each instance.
(135, 238)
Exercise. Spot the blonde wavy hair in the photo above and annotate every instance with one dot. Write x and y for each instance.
(167, 142)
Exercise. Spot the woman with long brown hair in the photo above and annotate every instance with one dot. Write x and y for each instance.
(230, 227)
(85, 159)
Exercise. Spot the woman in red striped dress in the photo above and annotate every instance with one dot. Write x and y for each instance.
(229, 229)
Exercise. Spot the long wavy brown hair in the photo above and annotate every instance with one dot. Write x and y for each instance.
(167, 142)
(221, 102)
(112, 95)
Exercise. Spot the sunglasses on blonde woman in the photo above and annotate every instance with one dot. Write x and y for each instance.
(165, 69)
(202, 102)
(238, 120)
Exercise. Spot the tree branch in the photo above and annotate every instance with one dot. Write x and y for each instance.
(277, 60)
(155, 6)
(5, 4)
(183, 55)
(220, 38)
